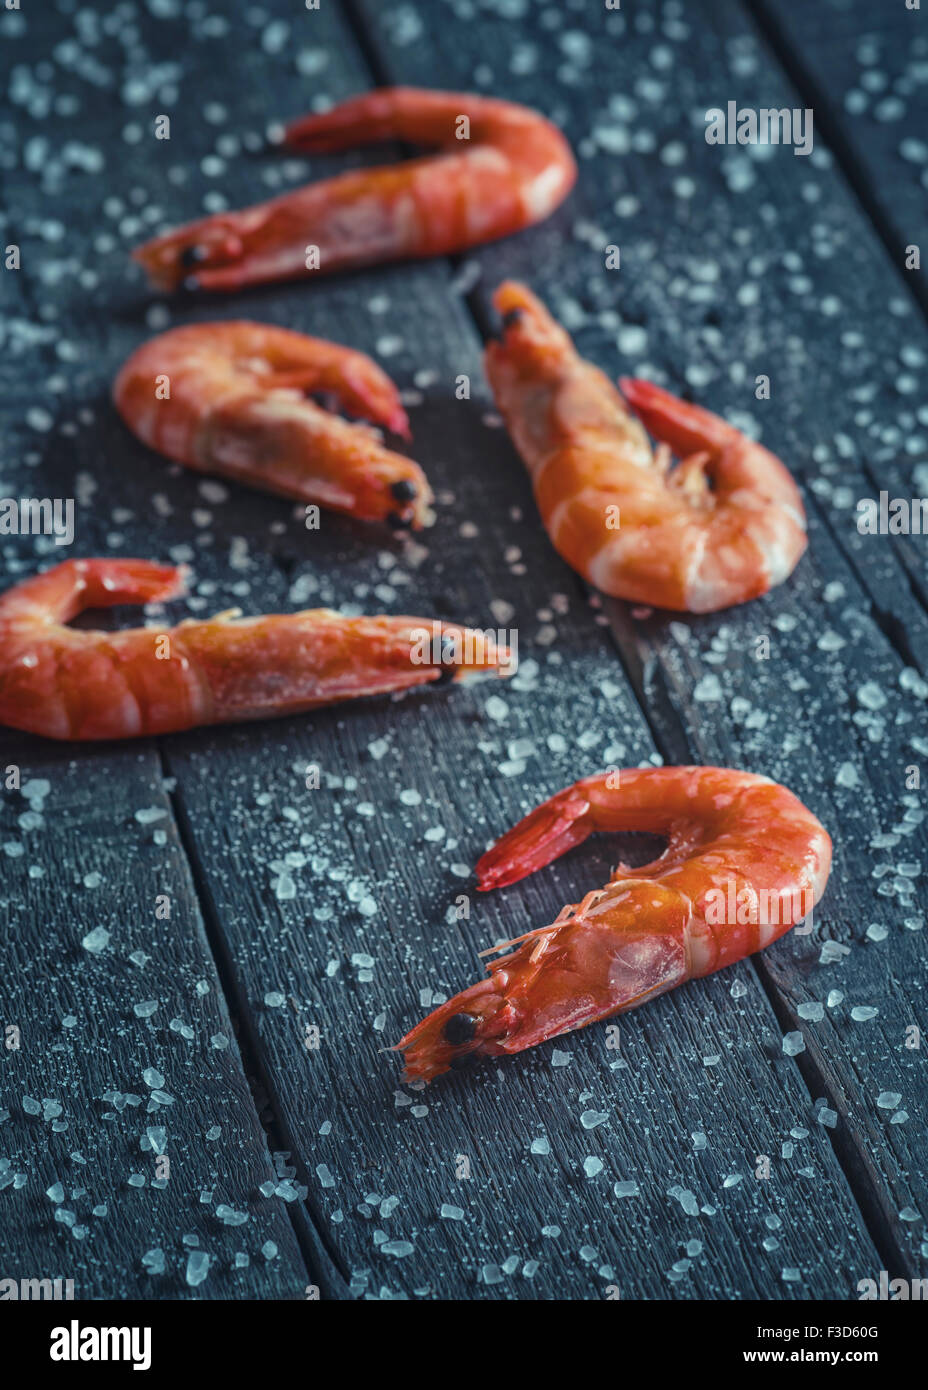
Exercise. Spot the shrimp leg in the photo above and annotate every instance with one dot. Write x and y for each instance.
(745, 861)
(70, 684)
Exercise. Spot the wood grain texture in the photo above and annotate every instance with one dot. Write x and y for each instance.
(115, 1043)
(366, 870)
(866, 69)
(735, 265)
(88, 861)
(342, 899)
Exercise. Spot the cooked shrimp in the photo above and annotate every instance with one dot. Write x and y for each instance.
(745, 862)
(502, 168)
(70, 684)
(229, 398)
(726, 525)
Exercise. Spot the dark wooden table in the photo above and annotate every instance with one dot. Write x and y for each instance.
(571, 1170)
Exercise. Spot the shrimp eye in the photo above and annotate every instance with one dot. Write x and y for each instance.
(446, 672)
(460, 1028)
(193, 255)
(513, 317)
(403, 490)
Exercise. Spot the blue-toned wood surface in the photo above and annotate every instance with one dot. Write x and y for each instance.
(572, 1171)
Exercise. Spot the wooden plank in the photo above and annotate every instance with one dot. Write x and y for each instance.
(102, 846)
(864, 70)
(735, 266)
(373, 862)
(118, 1046)
(666, 1092)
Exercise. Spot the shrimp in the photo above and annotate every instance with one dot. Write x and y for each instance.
(502, 168)
(70, 684)
(229, 398)
(724, 526)
(745, 862)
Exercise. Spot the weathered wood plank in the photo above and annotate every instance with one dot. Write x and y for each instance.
(864, 69)
(448, 749)
(118, 1047)
(735, 266)
(368, 867)
(101, 847)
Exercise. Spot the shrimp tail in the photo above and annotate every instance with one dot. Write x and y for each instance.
(362, 120)
(61, 593)
(543, 836)
(686, 428)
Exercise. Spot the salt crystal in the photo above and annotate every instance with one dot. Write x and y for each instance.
(707, 689)
(157, 1138)
(153, 1261)
(399, 1249)
(871, 696)
(686, 1199)
(197, 1267)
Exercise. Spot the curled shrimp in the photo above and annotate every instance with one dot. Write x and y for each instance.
(724, 526)
(502, 168)
(70, 684)
(229, 398)
(745, 862)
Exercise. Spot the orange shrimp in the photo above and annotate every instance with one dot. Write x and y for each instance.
(229, 398)
(70, 684)
(724, 526)
(745, 862)
(502, 168)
